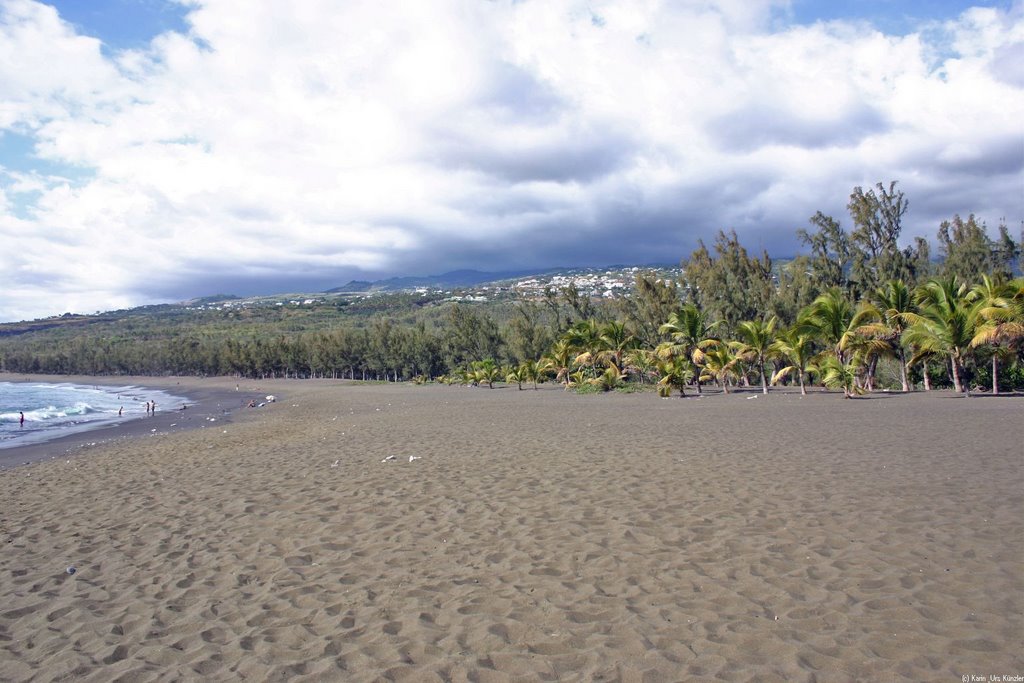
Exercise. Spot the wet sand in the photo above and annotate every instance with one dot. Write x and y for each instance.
(533, 536)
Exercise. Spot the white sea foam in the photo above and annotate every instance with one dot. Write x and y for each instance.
(53, 410)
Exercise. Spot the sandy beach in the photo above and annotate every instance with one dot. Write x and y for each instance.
(428, 533)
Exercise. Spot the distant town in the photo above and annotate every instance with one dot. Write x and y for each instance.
(604, 283)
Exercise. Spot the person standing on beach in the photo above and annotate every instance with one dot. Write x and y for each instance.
(21, 419)
(153, 408)
(147, 407)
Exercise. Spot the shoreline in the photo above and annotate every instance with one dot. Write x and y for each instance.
(214, 399)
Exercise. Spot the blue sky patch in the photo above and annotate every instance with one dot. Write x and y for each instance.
(898, 17)
(123, 24)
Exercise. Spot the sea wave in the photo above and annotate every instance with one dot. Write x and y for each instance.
(61, 408)
(50, 413)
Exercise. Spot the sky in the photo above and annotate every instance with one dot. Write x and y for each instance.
(157, 150)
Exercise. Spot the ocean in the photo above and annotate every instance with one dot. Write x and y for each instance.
(53, 410)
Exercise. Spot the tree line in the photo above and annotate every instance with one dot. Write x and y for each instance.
(857, 311)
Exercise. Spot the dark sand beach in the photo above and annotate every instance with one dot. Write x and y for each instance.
(526, 536)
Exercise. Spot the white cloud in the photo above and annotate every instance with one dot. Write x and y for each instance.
(310, 142)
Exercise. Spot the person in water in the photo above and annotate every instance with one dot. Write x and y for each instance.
(21, 419)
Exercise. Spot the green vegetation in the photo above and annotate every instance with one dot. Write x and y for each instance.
(856, 313)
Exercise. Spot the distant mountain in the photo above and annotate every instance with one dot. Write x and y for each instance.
(352, 286)
(212, 299)
(449, 280)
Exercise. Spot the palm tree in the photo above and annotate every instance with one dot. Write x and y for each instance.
(486, 371)
(829, 319)
(641, 362)
(999, 309)
(944, 323)
(719, 363)
(755, 342)
(585, 338)
(885, 316)
(676, 372)
(516, 374)
(576, 378)
(798, 349)
(617, 340)
(837, 373)
(610, 379)
(532, 371)
(559, 360)
(688, 328)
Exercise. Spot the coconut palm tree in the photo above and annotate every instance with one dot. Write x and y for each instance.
(999, 309)
(754, 344)
(841, 374)
(799, 350)
(617, 340)
(688, 328)
(585, 338)
(829, 319)
(486, 371)
(719, 363)
(532, 371)
(576, 378)
(676, 372)
(560, 360)
(884, 316)
(610, 379)
(641, 362)
(945, 323)
(516, 374)
(867, 351)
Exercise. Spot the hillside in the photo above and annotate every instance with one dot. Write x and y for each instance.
(404, 299)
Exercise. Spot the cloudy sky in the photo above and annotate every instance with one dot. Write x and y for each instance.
(156, 150)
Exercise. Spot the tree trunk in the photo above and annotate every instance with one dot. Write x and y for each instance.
(803, 389)
(764, 380)
(958, 387)
(927, 380)
(995, 375)
(904, 380)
